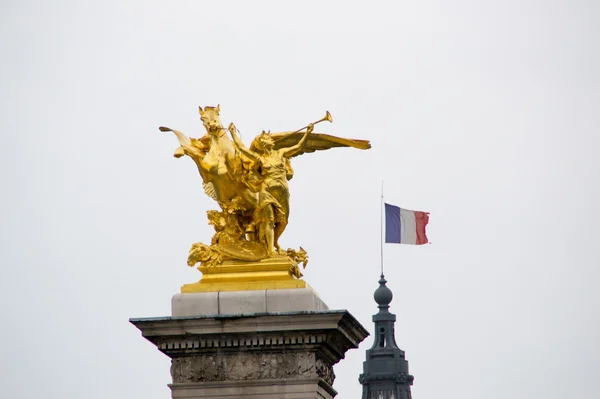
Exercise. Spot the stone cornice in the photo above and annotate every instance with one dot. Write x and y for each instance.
(277, 321)
(331, 333)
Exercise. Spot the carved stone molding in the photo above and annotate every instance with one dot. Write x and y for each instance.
(243, 366)
(204, 344)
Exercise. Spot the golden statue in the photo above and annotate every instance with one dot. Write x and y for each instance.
(251, 187)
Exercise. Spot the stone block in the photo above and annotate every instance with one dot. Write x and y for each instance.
(265, 389)
(198, 304)
(242, 302)
(294, 300)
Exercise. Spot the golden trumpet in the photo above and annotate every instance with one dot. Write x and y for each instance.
(327, 117)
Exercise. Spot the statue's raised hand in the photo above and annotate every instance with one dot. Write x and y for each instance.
(232, 129)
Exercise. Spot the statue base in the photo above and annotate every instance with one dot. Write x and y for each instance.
(279, 272)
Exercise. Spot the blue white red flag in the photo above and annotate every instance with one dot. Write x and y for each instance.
(403, 226)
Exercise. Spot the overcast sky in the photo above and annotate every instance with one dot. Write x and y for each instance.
(484, 113)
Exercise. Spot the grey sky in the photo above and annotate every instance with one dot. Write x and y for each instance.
(483, 113)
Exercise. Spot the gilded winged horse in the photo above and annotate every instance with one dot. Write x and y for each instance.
(214, 155)
(255, 179)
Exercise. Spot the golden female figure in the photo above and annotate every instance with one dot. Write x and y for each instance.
(273, 167)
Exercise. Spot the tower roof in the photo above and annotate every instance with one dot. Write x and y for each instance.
(385, 370)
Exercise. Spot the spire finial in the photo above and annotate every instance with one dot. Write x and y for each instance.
(383, 295)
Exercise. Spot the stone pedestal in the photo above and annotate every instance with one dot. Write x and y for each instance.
(246, 302)
(278, 355)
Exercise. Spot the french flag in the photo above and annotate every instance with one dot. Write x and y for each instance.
(403, 226)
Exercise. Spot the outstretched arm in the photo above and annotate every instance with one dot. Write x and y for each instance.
(291, 151)
(239, 145)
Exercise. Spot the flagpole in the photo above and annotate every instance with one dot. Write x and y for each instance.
(381, 227)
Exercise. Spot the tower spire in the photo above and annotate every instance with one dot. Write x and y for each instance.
(385, 370)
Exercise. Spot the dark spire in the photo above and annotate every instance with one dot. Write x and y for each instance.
(385, 372)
